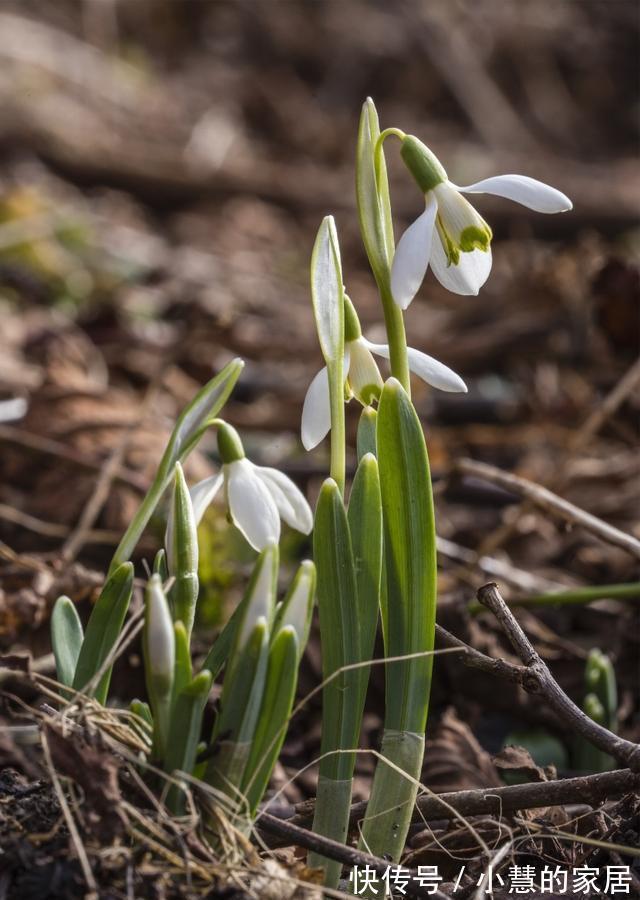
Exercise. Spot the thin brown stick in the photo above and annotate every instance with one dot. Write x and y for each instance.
(474, 659)
(538, 679)
(294, 834)
(550, 502)
(590, 789)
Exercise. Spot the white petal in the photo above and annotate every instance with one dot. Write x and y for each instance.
(468, 276)
(457, 216)
(364, 376)
(527, 191)
(316, 412)
(426, 367)
(251, 506)
(203, 493)
(289, 499)
(411, 258)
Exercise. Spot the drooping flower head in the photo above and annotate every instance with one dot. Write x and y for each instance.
(450, 235)
(362, 378)
(257, 497)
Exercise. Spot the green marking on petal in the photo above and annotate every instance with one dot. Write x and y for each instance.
(475, 238)
(450, 247)
(367, 394)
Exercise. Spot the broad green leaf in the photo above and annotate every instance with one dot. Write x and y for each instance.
(339, 630)
(185, 727)
(191, 425)
(66, 638)
(275, 709)
(372, 192)
(297, 606)
(327, 291)
(410, 557)
(103, 631)
(240, 702)
(365, 526)
(182, 552)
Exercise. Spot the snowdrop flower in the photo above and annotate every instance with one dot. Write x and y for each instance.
(363, 379)
(450, 235)
(257, 497)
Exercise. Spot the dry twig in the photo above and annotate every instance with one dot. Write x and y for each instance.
(537, 679)
(547, 500)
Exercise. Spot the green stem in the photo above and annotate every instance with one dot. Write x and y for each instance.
(338, 431)
(574, 596)
(378, 149)
(394, 325)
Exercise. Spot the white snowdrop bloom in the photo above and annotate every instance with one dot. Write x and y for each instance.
(450, 235)
(257, 497)
(363, 379)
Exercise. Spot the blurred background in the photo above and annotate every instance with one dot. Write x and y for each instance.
(164, 167)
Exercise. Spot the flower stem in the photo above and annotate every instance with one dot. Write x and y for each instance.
(394, 325)
(338, 432)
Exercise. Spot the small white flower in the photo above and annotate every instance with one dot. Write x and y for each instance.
(363, 379)
(257, 497)
(450, 235)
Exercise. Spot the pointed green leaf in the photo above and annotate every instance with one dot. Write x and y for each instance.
(258, 600)
(372, 192)
(339, 630)
(366, 439)
(182, 553)
(182, 670)
(103, 631)
(66, 638)
(365, 526)
(160, 565)
(184, 734)
(275, 709)
(327, 291)
(297, 606)
(240, 702)
(410, 557)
